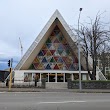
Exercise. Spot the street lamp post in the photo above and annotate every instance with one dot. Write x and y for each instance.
(79, 63)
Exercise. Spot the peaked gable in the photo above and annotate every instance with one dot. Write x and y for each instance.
(39, 42)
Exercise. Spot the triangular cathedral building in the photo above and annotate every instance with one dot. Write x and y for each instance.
(53, 55)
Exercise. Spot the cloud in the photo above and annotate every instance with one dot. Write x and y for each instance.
(26, 18)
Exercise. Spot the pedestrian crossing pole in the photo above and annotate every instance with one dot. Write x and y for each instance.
(10, 64)
(10, 82)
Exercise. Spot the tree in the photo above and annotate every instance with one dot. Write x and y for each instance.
(92, 38)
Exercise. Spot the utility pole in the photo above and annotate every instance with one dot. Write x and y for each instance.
(79, 62)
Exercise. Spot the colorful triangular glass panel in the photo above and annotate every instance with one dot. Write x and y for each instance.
(40, 58)
(64, 41)
(60, 47)
(45, 64)
(75, 60)
(52, 65)
(60, 38)
(64, 67)
(31, 67)
(40, 53)
(60, 65)
(52, 47)
(64, 59)
(35, 65)
(52, 34)
(44, 47)
(76, 66)
(56, 45)
(44, 51)
(36, 60)
(64, 53)
(48, 53)
(53, 40)
(71, 67)
(67, 47)
(60, 60)
(48, 58)
(56, 41)
(40, 67)
(60, 51)
(48, 41)
(44, 60)
(56, 53)
(48, 66)
(52, 60)
(56, 67)
(68, 65)
(56, 28)
(56, 58)
(68, 60)
(52, 51)
(48, 45)
(67, 51)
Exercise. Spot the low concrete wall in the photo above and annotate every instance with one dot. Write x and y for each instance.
(58, 85)
(89, 84)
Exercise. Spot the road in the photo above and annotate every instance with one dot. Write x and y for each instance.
(54, 101)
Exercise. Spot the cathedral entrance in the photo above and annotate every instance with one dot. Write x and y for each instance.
(50, 77)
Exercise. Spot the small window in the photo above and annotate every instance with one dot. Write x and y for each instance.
(27, 77)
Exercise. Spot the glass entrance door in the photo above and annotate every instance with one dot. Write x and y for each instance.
(60, 77)
(51, 77)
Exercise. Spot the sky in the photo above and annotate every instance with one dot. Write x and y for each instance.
(26, 18)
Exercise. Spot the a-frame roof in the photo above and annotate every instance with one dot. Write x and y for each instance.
(42, 37)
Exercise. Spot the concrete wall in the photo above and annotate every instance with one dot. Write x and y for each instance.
(59, 85)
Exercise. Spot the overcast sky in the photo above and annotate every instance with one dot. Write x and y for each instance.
(26, 18)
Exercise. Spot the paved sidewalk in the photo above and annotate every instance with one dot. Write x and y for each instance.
(54, 90)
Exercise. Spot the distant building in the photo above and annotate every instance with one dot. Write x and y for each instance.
(103, 63)
(3, 75)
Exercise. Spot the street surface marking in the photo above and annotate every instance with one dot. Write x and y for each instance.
(60, 102)
(2, 92)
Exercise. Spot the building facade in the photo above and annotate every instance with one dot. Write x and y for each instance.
(53, 55)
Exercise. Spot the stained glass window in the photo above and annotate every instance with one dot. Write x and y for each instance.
(55, 54)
